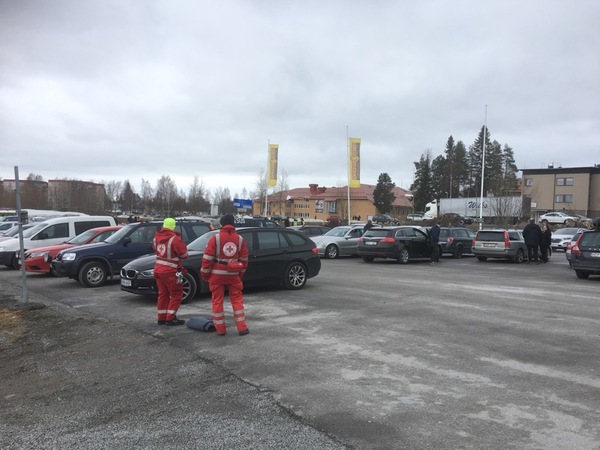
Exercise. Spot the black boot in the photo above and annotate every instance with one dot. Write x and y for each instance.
(174, 322)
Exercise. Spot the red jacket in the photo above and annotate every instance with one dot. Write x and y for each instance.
(170, 250)
(231, 247)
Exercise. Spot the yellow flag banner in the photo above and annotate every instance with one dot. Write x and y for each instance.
(272, 175)
(354, 161)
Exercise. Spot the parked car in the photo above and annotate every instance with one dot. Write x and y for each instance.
(311, 230)
(255, 222)
(570, 245)
(93, 264)
(400, 243)
(14, 232)
(384, 219)
(456, 241)
(506, 244)
(50, 232)
(39, 260)
(339, 241)
(558, 217)
(562, 236)
(7, 226)
(415, 217)
(276, 256)
(585, 253)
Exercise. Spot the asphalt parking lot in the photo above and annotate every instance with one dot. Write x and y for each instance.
(464, 354)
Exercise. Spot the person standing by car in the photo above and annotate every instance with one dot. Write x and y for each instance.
(224, 262)
(533, 238)
(434, 235)
(546, 242)
(170, 250)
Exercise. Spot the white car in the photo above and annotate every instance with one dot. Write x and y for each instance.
(339, 241)
(559, 218)
(562, 237)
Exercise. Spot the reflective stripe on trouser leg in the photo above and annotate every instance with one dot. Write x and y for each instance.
(237, 303)
(218, 316)
(175, 296)
(163, 295)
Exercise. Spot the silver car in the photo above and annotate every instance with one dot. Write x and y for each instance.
(506, 244)
(562, 237)
(339, 241)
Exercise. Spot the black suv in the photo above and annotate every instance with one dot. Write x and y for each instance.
(277, 256)
(456, 241)
(93, 264)
(585, 253)
(399, 243)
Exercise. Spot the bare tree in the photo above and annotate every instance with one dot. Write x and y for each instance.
(165, 194)
(147, 195)
(197, 200)
(113, 190)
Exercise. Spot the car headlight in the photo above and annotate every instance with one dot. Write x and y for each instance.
(148, 273)
(69, 256)
(35, 255)
(2, 249)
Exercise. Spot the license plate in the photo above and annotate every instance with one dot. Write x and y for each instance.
(595, 255)
(370, 243)
(486, 244)
(125, 282)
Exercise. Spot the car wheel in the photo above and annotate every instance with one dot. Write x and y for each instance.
(458, 252)
(519, 257)
(582, 274)
(404, 256)
(93, 274)
(331, 251)
(14, 262)
(295, 276)
(189, 288)
(368, 258)
(482, 258)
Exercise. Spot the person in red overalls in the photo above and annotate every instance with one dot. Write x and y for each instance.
(224, 251)
(170, 250)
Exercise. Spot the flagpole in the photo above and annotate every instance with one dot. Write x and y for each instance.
(348, 163)
(482, 170)
(267, 178)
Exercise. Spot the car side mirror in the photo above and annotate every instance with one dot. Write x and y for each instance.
(126, 241)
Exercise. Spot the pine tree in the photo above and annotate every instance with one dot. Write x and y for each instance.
(422, 186)
(383, 195)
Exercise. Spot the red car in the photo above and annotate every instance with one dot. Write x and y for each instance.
(39, 259)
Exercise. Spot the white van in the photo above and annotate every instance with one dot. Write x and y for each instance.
(50, 232)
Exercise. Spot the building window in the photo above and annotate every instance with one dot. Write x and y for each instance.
(331, 207)
(564, 181)
(528, 182)
(564, 198)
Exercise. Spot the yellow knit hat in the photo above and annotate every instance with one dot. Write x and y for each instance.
(169, 223)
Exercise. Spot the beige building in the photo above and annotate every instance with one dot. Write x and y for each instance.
(575, 190)
(320, 203)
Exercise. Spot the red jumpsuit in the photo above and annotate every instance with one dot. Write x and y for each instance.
(225, 247)
(170, 250)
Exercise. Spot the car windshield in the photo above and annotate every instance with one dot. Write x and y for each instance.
(199, 244)
(33, 230)
(590, 240)
(82, 238)
(120, 234)
(338, 231)
(566, 231)
(377, 232)
(14, 231)
(491, 236)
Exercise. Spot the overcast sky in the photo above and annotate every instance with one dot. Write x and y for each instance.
(131, 89)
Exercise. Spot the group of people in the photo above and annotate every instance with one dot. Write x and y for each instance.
(223, 265)
(290, 223)
(538, 241)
